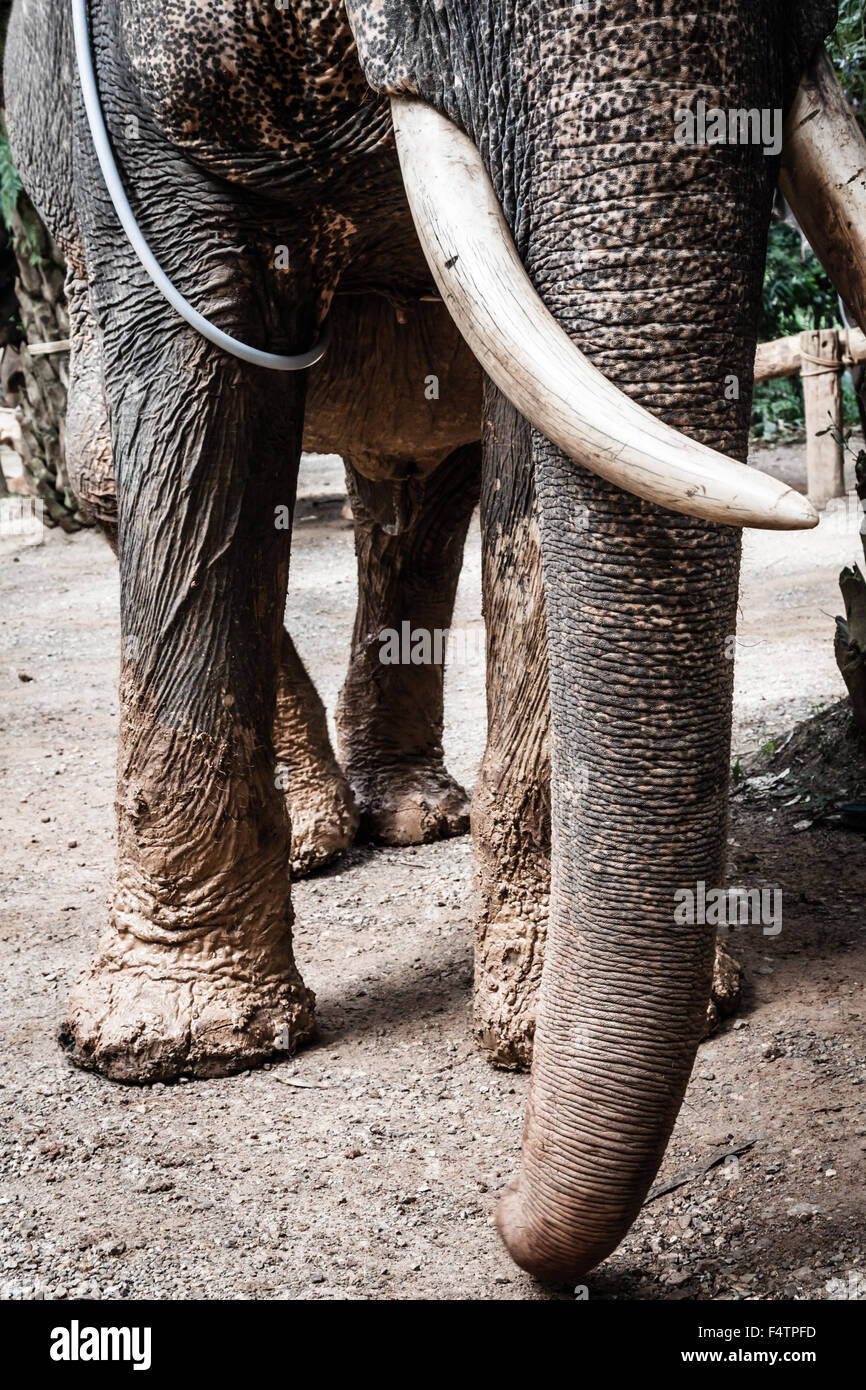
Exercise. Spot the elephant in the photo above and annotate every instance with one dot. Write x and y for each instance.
(512, 815)
(493, 197)
(399, 793)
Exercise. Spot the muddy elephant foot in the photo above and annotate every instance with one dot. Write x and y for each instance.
(319, 800)
(324, 821)
(725, 993)
(410, 805)
(508, 961)
(509, 954)
(148, 1011)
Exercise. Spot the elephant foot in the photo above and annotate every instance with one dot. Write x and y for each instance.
(324, 820)
(148, 1010)
(508, 960)
(725, 993)
(411, 805)
(509, 955)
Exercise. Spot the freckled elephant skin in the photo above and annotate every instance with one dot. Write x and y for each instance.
(185, 457)
(649, 255)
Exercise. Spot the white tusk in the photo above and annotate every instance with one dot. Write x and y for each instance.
(534, 362)
(823, 179)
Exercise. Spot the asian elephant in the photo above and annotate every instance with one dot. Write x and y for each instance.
(287, 164)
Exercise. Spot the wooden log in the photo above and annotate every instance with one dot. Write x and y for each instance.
(821, 370)
(782, 357)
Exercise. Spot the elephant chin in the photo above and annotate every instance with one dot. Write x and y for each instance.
(533, 361)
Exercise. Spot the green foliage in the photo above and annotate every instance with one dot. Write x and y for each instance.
(10, 183)
(797, 296)
(847, 48)
(22, 231)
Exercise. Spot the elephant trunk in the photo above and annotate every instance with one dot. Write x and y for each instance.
(638, 614)
(654, 267)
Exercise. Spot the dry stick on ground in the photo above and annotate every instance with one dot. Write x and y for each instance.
(850, 641)
(698, 1171)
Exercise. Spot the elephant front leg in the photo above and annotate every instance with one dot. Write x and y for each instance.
(409, 540)
(511, 801)
(195, 974)
(321, 806)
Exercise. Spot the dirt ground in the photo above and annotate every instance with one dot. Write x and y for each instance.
(369, 1166)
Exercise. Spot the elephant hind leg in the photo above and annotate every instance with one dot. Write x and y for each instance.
(320, 803)
(409, 540)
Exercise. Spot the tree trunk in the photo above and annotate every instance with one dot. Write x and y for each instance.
(37, 383)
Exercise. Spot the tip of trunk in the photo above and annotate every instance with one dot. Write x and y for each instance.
(550, 1249)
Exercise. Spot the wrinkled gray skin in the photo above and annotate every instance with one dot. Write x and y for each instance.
(255, 129)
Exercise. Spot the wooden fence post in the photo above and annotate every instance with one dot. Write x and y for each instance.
(821, 359)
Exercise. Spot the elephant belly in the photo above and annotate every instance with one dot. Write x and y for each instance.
(397, 390)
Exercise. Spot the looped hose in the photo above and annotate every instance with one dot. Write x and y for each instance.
(114, 185)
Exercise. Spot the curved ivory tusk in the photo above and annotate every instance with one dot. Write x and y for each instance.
(823, 179)
(534, 362)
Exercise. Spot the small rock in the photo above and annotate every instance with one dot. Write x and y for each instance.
(23, 676)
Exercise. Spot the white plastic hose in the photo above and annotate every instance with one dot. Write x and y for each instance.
(113, 183)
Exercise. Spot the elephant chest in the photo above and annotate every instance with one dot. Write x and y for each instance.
(397, 391)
